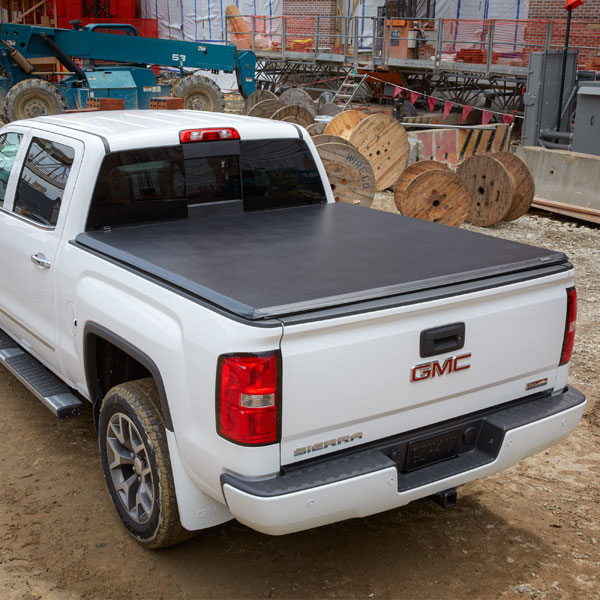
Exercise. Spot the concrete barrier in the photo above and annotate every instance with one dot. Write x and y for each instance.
(563, 176)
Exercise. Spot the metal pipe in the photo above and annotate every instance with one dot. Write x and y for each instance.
(563, 70)
(64, 59)
(553, 146)
(547, 134)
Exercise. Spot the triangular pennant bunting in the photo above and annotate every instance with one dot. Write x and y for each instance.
(507, 119)
(447, 108)
(413, 97)
(431, 101)
(465, 113)
(486, 117)
(397, 90)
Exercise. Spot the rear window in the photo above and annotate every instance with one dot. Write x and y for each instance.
(137, 186)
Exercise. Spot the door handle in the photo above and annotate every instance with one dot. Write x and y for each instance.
(40, 260)
(440, 340)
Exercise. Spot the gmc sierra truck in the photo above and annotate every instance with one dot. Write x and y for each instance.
(252, 350)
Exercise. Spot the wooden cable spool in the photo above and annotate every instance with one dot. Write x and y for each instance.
(330, 109)
(265, 108)
(491, 187)
(425, 165)
(436, 194)
(349, 173)
(344, 123)
(326, 138)
(385, 144)
(316, 128)
(300, 97)
(524, 184)
(300, 114)
(290, 120)
(258, 96)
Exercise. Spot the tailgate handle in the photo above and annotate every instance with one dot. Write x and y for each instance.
(440, 340)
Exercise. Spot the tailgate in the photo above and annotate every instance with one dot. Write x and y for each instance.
(347, 381)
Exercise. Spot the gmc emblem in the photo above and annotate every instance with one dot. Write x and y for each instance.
(435, 369)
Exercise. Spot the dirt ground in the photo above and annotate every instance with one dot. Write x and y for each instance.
(530, 532)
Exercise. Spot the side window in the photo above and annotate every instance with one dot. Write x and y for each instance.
(43, 179)
(9, 144)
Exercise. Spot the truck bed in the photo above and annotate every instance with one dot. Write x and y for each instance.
(271, 264)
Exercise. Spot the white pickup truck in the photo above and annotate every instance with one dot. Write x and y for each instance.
(253, 350)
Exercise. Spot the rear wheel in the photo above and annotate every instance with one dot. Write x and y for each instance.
(31, 98)
(136, 464)
(200, 93)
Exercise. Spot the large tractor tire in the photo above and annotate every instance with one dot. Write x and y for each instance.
(200, 93)
(32, 98)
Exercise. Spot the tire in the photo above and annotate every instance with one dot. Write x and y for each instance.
(31, 98)
(130, 427)
(200, 93)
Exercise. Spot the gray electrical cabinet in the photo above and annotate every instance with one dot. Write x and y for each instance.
(586, 134)
(543, 91)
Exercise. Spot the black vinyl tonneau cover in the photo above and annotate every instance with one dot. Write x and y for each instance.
(269, 264)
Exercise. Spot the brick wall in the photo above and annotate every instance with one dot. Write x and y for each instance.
(585, 28)
(554, 9)
(301, 22)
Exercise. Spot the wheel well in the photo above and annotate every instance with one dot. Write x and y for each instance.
(109, 361)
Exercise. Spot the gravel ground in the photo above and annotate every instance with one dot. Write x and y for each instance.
(530, 532)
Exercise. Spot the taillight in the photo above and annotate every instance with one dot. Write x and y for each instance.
(248, 398)
(569, 338)
(208, 134)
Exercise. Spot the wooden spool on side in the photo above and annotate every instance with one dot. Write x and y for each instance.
(491, 187)
(437, 195)
(258, 96)
(326, 138)
(300, 114)
(344, 123)
(330, 109)
(422, 166)
(265, 108)
(316, 128)
(385, 144)
(299, 97)
(349, 173)
(524, 184)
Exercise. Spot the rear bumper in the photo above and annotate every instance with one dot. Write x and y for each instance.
(369, 481)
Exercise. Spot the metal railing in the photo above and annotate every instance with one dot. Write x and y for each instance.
(394, 41)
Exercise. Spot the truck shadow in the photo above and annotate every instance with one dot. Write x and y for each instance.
(60, 532)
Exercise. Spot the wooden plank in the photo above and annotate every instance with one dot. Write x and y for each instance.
(569, 210)
(24, 14)
(491, 188)
(436, 195)
(384, 143)
(524, 185)
(349, 173)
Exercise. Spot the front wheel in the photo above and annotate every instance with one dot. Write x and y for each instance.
(200, 93)
(32, 98)
(136, 464)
